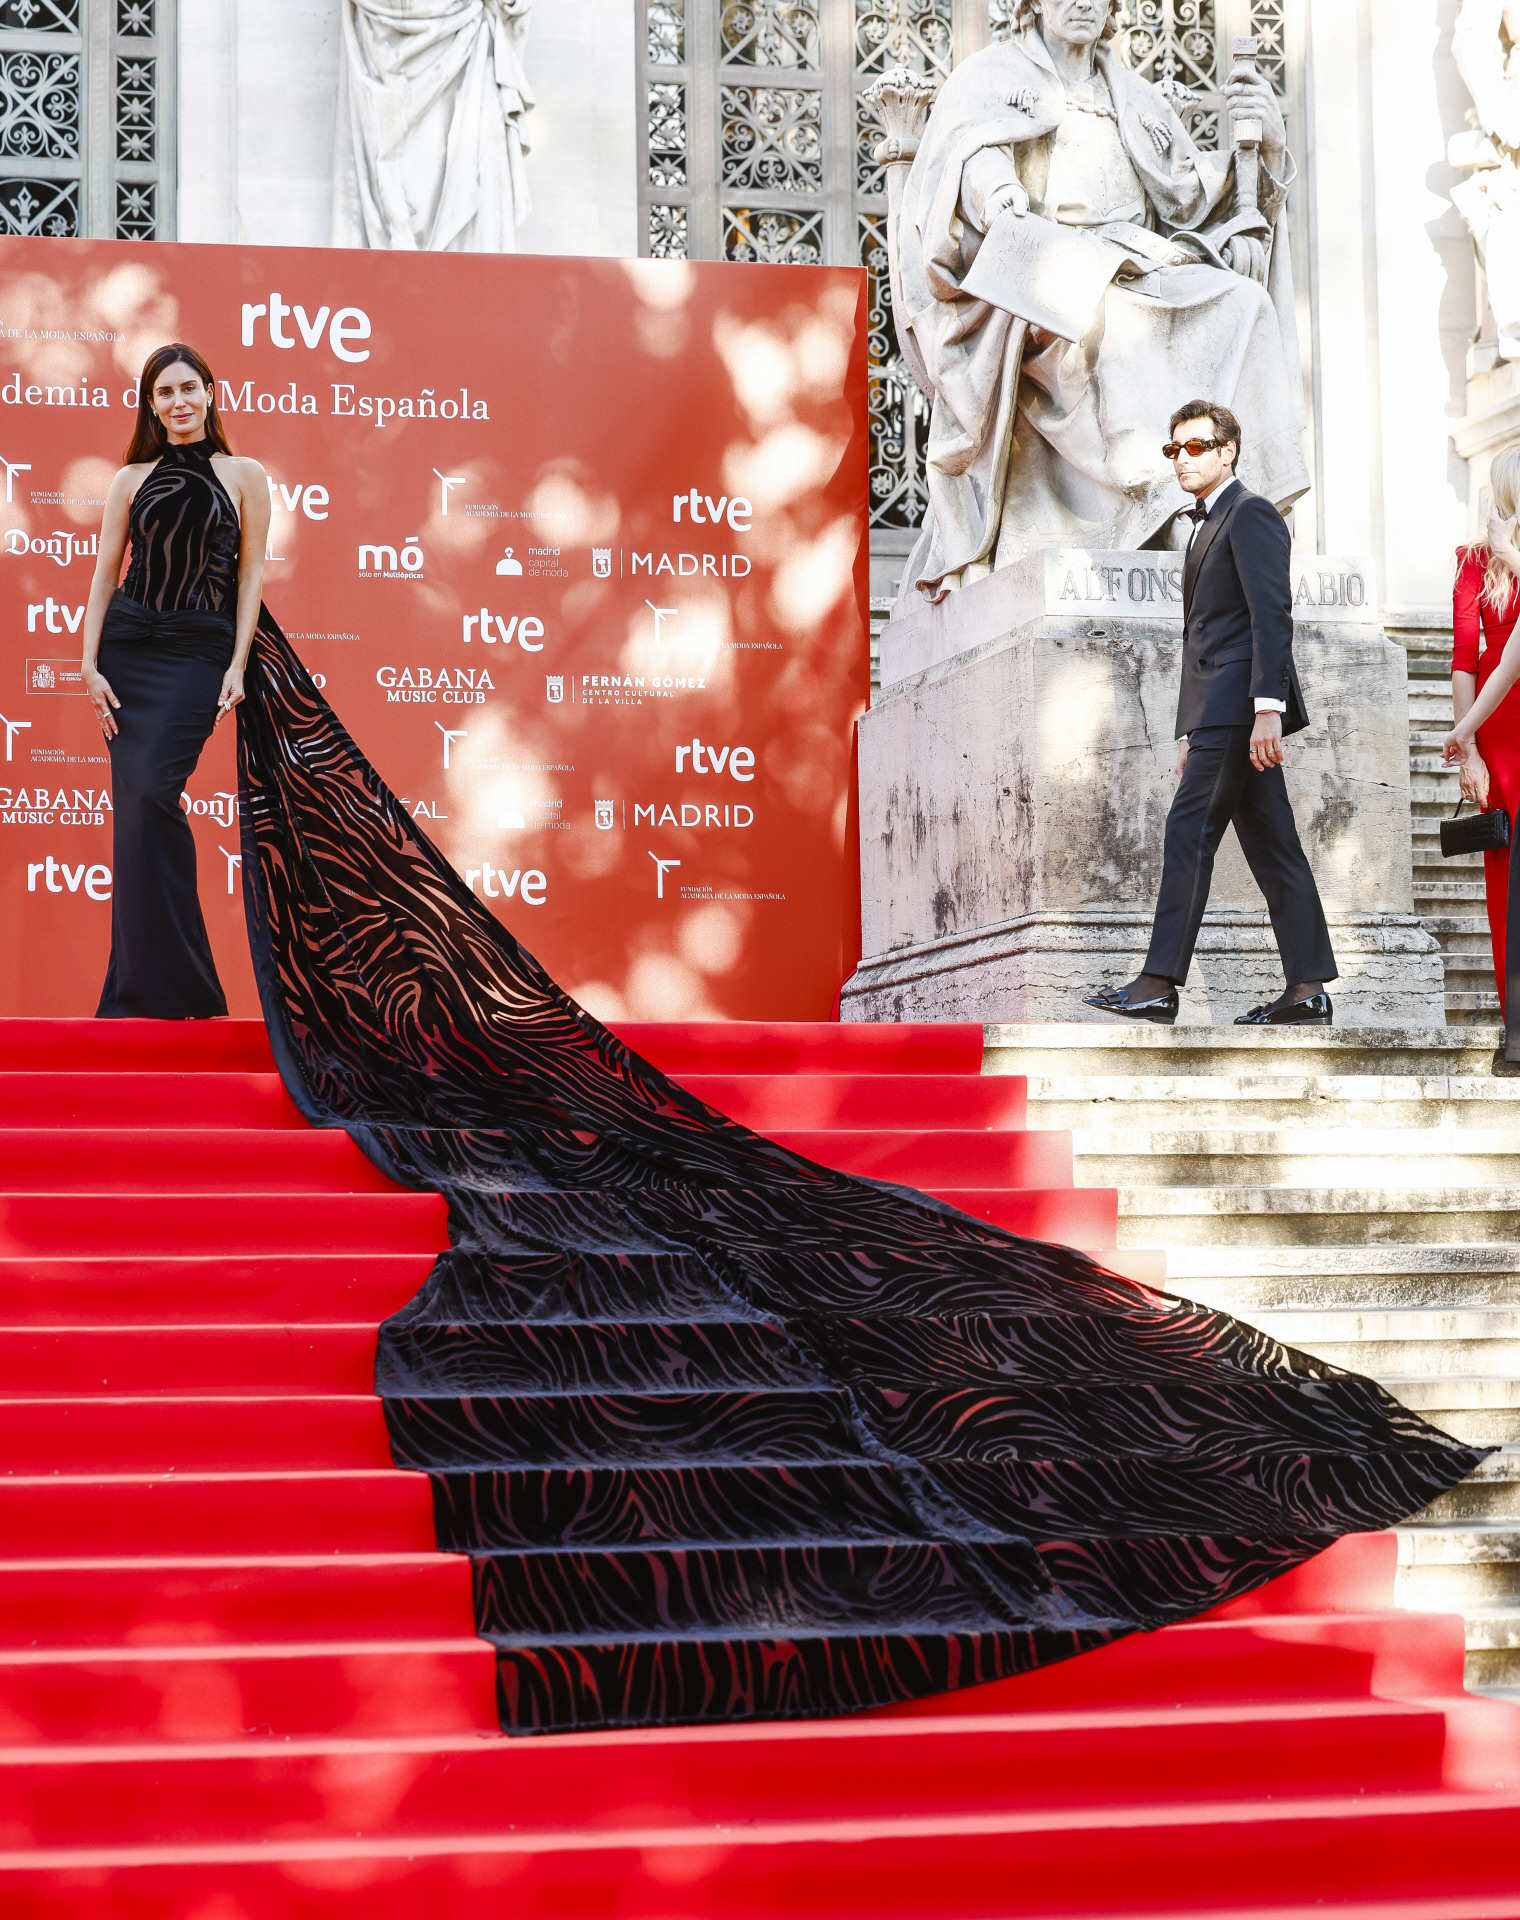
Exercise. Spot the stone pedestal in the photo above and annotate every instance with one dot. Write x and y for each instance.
(1015, 777)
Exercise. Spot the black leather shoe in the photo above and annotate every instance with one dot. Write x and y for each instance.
(1316, 1011)
(1162, 1011)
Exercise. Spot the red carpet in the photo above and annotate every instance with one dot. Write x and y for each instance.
(238, 1682)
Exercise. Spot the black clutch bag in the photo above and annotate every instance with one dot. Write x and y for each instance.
(1476, 834)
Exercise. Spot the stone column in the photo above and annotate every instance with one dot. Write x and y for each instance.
(1015, 777)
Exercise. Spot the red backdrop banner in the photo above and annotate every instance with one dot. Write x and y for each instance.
(577, 549)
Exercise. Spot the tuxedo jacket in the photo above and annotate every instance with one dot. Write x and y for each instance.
(1237, 618)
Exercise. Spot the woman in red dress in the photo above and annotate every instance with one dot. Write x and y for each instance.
(1485, 742)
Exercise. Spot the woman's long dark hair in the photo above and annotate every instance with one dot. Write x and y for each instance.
(148, 437)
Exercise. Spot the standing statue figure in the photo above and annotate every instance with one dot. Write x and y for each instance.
(432, 97)
(1485, 43)
(1068, 259)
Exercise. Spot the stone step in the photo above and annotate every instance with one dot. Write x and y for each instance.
(1322, 1216)
(1443, 896)
(1261, 1298)
(1425, 836)
(1459, 927)
(1430, 864)
(1320, 1264)
(1234, 1099)
(1321, 1157)
(1490, 1346)
(1490, 1493)
(1099, 1046)
(1470, 987)
(1493, 1648)
(1450, 1569)
(1467, 953)
(1474, 1007)
(1481, 1410)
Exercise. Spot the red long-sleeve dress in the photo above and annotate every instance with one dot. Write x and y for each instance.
(1499, 736)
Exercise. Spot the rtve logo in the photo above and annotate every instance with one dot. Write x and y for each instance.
(739, 761)
(57, 876)
(343, 328)
(55, 616)
(702, 510)
(526, 630)
(301, 498)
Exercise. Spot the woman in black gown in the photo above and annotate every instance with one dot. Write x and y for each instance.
(725, 1433)
(164, 658)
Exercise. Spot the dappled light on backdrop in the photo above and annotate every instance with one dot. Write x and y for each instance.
(576, 549)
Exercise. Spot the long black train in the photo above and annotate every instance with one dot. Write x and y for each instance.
(725, 1434)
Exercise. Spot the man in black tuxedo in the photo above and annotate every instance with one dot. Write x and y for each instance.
(1240, 696)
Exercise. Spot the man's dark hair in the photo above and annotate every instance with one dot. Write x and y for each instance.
(1224, 423)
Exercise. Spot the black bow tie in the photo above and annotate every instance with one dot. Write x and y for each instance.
(1198, 513)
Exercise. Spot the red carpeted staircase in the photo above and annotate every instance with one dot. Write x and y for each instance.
(238, 1681)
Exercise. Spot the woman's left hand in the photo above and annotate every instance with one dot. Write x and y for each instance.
(231, 694)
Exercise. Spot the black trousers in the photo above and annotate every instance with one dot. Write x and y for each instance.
(166, 669)
(1220, 788)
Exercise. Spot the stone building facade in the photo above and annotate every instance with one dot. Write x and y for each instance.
(734, 129)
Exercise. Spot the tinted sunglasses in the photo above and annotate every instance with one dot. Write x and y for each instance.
(1173, 447)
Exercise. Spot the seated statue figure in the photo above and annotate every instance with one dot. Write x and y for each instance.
(1069, 262)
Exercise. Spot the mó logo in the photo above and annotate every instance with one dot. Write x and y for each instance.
(531, 887)
(435, 686)
(56, 876)
(701, 509)
(526, 629)
(390, 563)
(739, 761)
(343, 328)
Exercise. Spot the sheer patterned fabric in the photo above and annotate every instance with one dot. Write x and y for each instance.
(185, 536)
(725, 1433)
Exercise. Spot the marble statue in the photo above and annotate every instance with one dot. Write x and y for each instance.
(1069, 266)
(1485, 44)
(432, 99)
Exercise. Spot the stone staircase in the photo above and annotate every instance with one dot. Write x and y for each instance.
(1353, 1192)
(1448, 894)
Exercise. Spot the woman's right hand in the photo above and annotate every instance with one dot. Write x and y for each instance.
(1501, 539)
(1473, 778)
(103, 700)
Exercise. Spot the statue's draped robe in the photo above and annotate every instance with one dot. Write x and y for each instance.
(432, 97)
(1483, 45)
(1036, 440)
